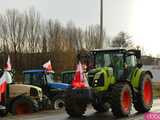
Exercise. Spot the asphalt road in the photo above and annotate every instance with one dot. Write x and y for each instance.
(90, 115)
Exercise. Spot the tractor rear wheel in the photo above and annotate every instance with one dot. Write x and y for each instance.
(24, 105)
(121, 101)
(144, 98)
(73, 108)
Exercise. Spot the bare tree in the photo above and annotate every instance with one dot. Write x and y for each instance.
(27, 38)
(33, 30)
(13, 31)
(91, 37)
(74, 36)
(122, 40)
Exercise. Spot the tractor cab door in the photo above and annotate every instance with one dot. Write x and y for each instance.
(131, 64)
(38, 79)
(50, 79)
(117, 63)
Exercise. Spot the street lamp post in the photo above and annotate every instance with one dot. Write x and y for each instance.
(101, 21)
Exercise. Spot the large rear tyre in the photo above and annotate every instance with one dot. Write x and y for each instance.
(74, 108)
(144, 98)
(24, 105)
(121, 100)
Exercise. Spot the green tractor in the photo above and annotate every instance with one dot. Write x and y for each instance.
(116, 80)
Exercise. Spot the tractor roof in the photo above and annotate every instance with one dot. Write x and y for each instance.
(35, 71)
(113, 50)
(109, 49)
(67, 71)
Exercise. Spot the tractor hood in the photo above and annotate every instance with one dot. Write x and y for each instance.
(60, 86)
(20, 89)
(94, 71)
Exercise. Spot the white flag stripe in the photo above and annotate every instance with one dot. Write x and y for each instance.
(8, 65)
(6, 77)
(82, 74)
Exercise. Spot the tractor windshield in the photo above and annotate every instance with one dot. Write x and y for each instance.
(34, 78)
(67, 76)
(27, 79)
(109, 59)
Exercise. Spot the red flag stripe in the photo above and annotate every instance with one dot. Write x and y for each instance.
(79, 80)
(3, 87)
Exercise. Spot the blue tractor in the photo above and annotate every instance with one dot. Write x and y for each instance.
(44, 79)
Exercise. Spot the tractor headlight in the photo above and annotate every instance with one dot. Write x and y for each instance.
(33, 92)
(100, 81)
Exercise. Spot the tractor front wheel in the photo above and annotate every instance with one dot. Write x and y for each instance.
(144, 98)
(73, 108)
(58, 102)
(121, 100)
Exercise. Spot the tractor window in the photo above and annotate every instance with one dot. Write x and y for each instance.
(117, 60)
(100, 60)
(68, 77)
(38, 79)
(107, 59)
(27, 79)
(50, 77)
(131, 61)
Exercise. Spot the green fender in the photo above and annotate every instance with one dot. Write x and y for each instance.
(108, 79)
(135, 77)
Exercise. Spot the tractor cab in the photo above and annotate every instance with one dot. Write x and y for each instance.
(47, 81)
(44, 79)
(120, 62)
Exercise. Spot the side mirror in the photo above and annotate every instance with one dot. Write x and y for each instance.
(138, 54)
(139, 65)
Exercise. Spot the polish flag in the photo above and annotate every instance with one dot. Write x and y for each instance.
(80, 80)
(48, 66)
(5, 79)
(8, 66)
(3, 87)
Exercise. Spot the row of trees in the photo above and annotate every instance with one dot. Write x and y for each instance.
(28, 33)
(31, 41)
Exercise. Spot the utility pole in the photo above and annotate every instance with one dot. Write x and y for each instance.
(101, 21)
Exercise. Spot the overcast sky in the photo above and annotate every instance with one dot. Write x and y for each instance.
(140, 18)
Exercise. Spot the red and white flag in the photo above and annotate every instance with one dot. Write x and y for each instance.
(8, 66)
(80, 80)
(3, 87)
(3, 84)
(48, 66)
(5, 79)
